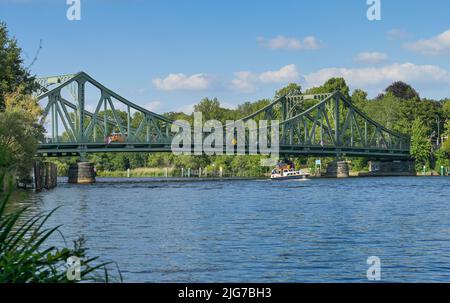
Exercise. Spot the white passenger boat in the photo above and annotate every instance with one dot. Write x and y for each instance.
(286, 174)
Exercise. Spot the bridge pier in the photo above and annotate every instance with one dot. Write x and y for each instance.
(392, 167)
(338, 169)
(82, 173)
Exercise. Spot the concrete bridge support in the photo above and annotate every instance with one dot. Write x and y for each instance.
(82, 173)
(338, 169)
(392, 167)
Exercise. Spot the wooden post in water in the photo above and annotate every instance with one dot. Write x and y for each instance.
(45, 175)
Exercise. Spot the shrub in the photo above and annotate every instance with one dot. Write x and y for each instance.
(25, 255)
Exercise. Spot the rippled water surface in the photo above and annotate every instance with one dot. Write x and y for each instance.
(320, 230)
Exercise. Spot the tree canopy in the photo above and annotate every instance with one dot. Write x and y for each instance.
(12, 72)
(402, 90)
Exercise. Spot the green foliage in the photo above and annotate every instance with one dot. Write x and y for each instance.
(386, 111)
(12, 74)
(249, 108)
(420, 144)
(19, 135)
(291, 88)
(359, 98)
(19, 111)
(442, 157)
(179, 116)
(61, 167)
(159, 160)
(331, 85)
(446, 108)
(359, 164)
(446, 147)
(403, 91)
(26, 256)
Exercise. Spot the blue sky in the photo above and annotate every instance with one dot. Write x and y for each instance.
(167, 55)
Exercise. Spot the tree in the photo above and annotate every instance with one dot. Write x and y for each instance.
(291, 88)
(210, 108)
(403, 91)
(446, 109)
(249, 108)
(420, 144)
(12, 73)
(19, 132)
(330, 86)
(385, 111)
(446, 145)
(359, 98)
(19, 137)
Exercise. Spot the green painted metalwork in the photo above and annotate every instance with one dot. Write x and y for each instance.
(321, 124)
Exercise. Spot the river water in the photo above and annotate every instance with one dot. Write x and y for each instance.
(320, 230)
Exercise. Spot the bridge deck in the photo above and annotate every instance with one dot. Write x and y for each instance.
(66, 149)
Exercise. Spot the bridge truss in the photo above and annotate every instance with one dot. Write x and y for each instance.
(88, 112)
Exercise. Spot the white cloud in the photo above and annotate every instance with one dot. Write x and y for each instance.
(434, 46)
(184, 82)
(248, 82)
(245, 82)
(377, 78)
(228, 105)
(371, 57)
(187, 109)
(397, 34)
(285, 74)
(153, 105)
(288, 43)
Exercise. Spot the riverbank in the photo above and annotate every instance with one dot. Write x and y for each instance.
(169, 179)
(162, 173)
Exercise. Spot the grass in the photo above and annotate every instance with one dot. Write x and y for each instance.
(142, 172)
(25, 255)
(148, 172)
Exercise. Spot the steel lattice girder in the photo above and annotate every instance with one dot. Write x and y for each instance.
(332, 126)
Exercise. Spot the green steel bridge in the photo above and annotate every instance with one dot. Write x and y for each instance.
(321, 124)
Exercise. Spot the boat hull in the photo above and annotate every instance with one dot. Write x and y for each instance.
(297, 177)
